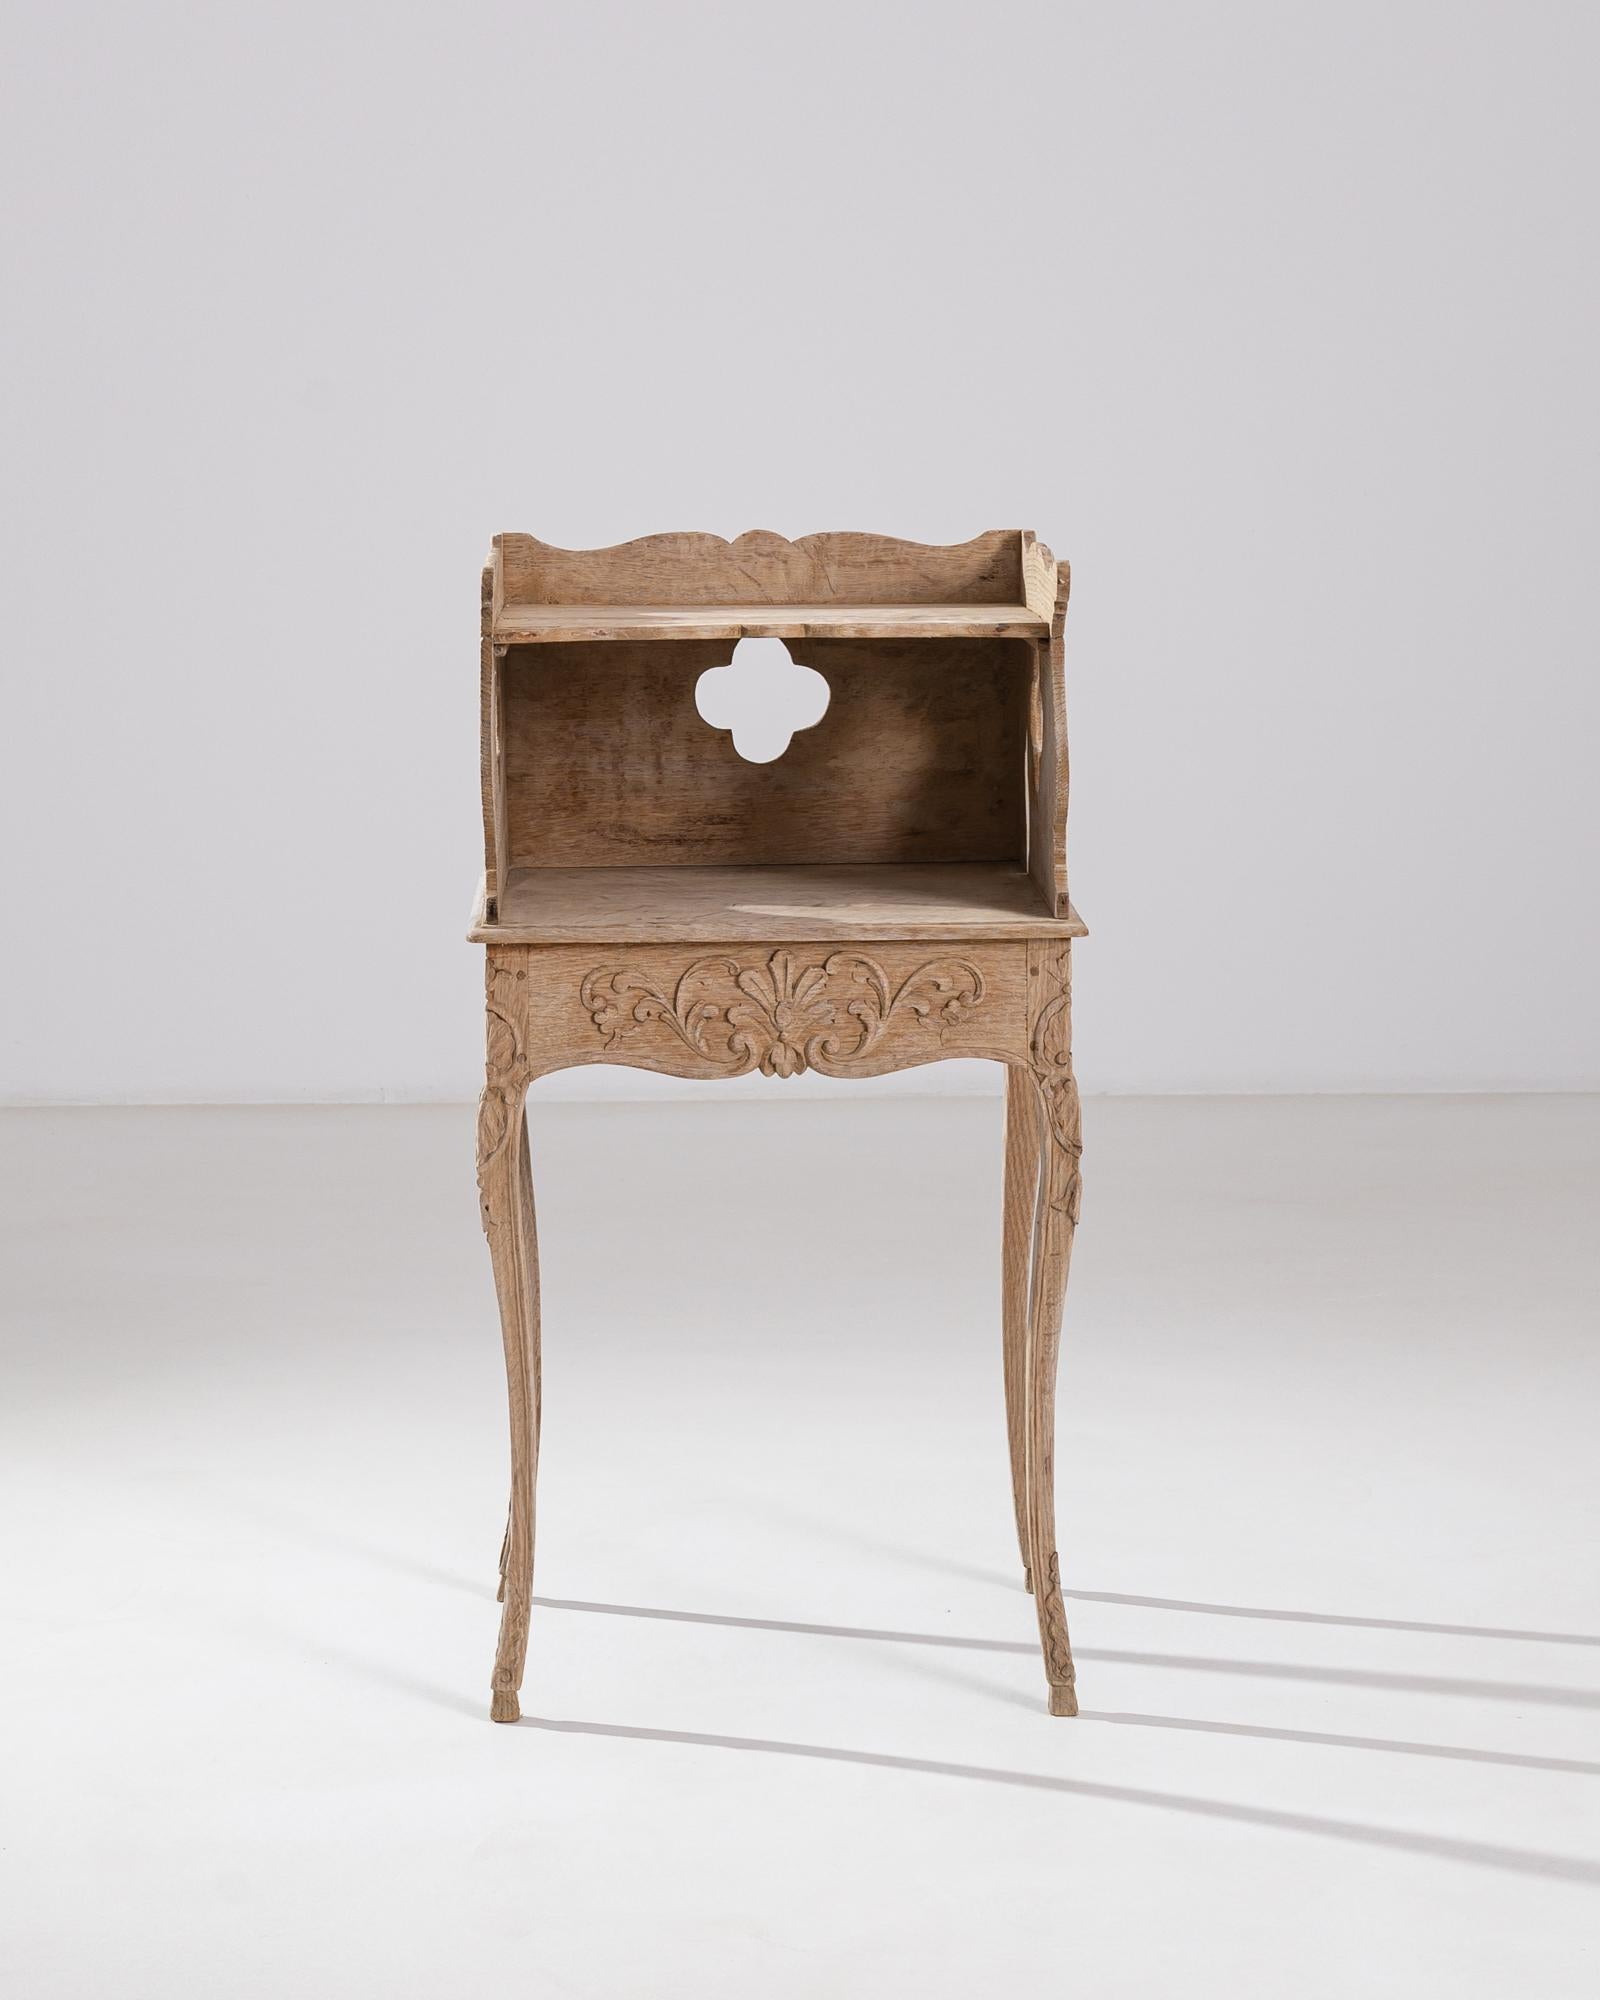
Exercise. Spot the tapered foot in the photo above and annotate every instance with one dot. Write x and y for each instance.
(504, 1706)
(1063, 1700)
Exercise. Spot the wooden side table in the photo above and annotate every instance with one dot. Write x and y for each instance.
(890, 891)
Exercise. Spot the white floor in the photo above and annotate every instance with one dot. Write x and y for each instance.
(1328, 1503)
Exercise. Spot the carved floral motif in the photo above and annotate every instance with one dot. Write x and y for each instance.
(783, 1016)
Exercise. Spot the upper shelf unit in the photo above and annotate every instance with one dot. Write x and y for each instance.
(942, 745)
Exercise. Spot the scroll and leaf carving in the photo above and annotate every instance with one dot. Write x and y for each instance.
(505, 1079)
(1050, 1049)
(780, 1015)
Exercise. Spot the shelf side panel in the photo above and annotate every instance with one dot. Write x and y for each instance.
(1047, 801)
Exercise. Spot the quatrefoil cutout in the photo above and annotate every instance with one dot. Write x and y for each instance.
(763, 696)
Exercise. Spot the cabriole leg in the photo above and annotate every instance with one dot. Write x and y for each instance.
(506, 1191)
(525, 1186)
(1021, 1189)
(1061, 1147)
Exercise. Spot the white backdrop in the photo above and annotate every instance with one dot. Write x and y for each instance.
(1280, 321)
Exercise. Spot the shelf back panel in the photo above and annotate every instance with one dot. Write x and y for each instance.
(763, 568)
(919, 758)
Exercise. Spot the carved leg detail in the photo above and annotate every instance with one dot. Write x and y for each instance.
(507, 1197)
(1061, 1146)
(1021, 1189)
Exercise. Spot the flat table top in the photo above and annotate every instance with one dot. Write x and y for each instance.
(543, 624)
(794, 902)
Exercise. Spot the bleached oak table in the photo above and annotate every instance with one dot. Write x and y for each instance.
(890, 891)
